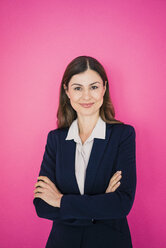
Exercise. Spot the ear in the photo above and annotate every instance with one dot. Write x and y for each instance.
(105, 87)
(65, 88)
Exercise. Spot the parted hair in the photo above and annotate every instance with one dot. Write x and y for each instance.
(66, 114)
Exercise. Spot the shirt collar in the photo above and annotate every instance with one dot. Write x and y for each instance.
(99, 131)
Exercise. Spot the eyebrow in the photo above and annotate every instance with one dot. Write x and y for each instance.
(81, 84)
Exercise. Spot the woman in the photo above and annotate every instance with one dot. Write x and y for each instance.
(85, 158)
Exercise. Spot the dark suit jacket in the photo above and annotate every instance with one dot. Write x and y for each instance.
(95, 219)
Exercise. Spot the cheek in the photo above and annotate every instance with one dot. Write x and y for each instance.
(97, 95)
(74, 97)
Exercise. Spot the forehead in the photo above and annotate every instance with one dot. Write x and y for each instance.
(85, 78)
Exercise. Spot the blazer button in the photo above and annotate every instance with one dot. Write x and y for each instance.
(93, 221)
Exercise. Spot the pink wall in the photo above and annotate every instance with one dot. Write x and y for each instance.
(38, 40)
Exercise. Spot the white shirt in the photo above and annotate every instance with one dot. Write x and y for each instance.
(83, 151)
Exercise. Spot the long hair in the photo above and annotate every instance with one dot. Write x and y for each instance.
(66, 114)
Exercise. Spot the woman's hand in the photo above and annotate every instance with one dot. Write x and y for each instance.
(47, 191)
(114, 182)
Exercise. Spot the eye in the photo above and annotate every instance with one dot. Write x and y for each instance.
(77, 88)
(93, 87)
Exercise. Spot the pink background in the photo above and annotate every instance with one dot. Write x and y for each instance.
(38, 40)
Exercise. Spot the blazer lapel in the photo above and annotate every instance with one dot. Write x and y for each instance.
(68, 165)
(96, 155)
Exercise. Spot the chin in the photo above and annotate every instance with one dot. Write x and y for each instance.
(88, 113)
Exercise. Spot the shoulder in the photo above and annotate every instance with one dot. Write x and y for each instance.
(54, 137)
(124, 130)
(121, 126)
(58, 132)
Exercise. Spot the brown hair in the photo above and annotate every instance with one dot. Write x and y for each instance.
(66, 114)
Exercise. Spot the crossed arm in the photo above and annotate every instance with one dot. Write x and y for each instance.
(46, 190)
(116, 202)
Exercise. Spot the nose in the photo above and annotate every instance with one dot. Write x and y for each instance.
(86, 94)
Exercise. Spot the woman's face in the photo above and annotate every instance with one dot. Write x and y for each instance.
(86, 92)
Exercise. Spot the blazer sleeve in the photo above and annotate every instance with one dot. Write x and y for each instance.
(108, 205)
(43, 209)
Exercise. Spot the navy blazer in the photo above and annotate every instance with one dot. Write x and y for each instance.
(94, 219)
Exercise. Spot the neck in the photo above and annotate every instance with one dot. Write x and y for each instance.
(87, 123)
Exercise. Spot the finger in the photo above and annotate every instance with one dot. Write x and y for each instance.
(47, 180)
(41, 184)
(38, 195)
(115, 176)
(41, 196)
(115, 187)
(115, 180)
(117, 173)
(39, 190)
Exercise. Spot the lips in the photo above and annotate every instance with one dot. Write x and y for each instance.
(86, 105)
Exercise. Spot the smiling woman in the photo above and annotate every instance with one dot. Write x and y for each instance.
(85, 158)
(86, 99)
